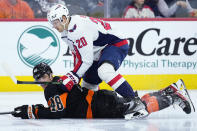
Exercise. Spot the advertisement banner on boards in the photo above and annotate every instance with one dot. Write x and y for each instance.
(156, 47)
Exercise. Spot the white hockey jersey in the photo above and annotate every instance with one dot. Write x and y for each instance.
(86, 37)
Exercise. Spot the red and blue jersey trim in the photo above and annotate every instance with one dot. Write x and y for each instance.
(79, 62)
(121, 43)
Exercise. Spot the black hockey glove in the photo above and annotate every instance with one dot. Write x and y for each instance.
(27, 111)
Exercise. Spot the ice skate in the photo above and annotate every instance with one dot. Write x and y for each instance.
(170, 89)
(182, 98)
(136, 109)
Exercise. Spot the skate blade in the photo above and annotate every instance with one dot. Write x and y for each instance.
(187, 93)
(137, 115)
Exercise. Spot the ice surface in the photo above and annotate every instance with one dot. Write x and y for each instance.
(170, 119)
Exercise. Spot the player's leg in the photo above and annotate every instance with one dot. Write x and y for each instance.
(106, 104)
(91, 79)
(168, 96)
(156, 101)
(109, 62)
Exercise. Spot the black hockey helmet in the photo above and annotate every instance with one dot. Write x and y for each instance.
(40, 69)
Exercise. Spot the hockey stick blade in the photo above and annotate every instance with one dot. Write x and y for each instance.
(37, 82)
(5, 113)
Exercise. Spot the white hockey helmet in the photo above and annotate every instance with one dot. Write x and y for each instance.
(56, 12)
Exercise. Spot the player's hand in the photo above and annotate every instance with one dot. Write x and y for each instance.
(25, 112)
(69, 80)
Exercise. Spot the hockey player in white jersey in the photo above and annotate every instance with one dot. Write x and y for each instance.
(98, 52)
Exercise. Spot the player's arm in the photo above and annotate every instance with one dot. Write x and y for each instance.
(83, 47)
(56, 101)
(56, 109)
(36, 112)
(58, 106)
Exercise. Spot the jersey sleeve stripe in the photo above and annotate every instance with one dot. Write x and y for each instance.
(79, 61)
(121, 43)
(74, 57)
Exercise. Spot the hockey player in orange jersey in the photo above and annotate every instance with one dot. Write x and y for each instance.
(84, 103)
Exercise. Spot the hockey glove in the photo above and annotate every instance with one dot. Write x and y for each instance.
(69, 80)
(27, 111)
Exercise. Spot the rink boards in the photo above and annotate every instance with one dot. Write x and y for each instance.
(161, 51)
(138, 82)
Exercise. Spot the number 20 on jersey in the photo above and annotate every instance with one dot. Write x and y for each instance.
(81, 42)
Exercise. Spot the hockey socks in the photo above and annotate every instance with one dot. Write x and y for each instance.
(107, 73)
(121, 86)
(125, 90)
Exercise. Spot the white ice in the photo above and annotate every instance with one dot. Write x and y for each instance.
(170, 119)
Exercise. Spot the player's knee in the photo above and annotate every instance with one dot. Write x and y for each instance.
(90, 86)
(105, 71)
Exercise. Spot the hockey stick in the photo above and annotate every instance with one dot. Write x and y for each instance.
(5, 113)
(37, 82)
(8, 71)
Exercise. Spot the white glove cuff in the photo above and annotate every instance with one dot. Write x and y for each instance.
(73, 76)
